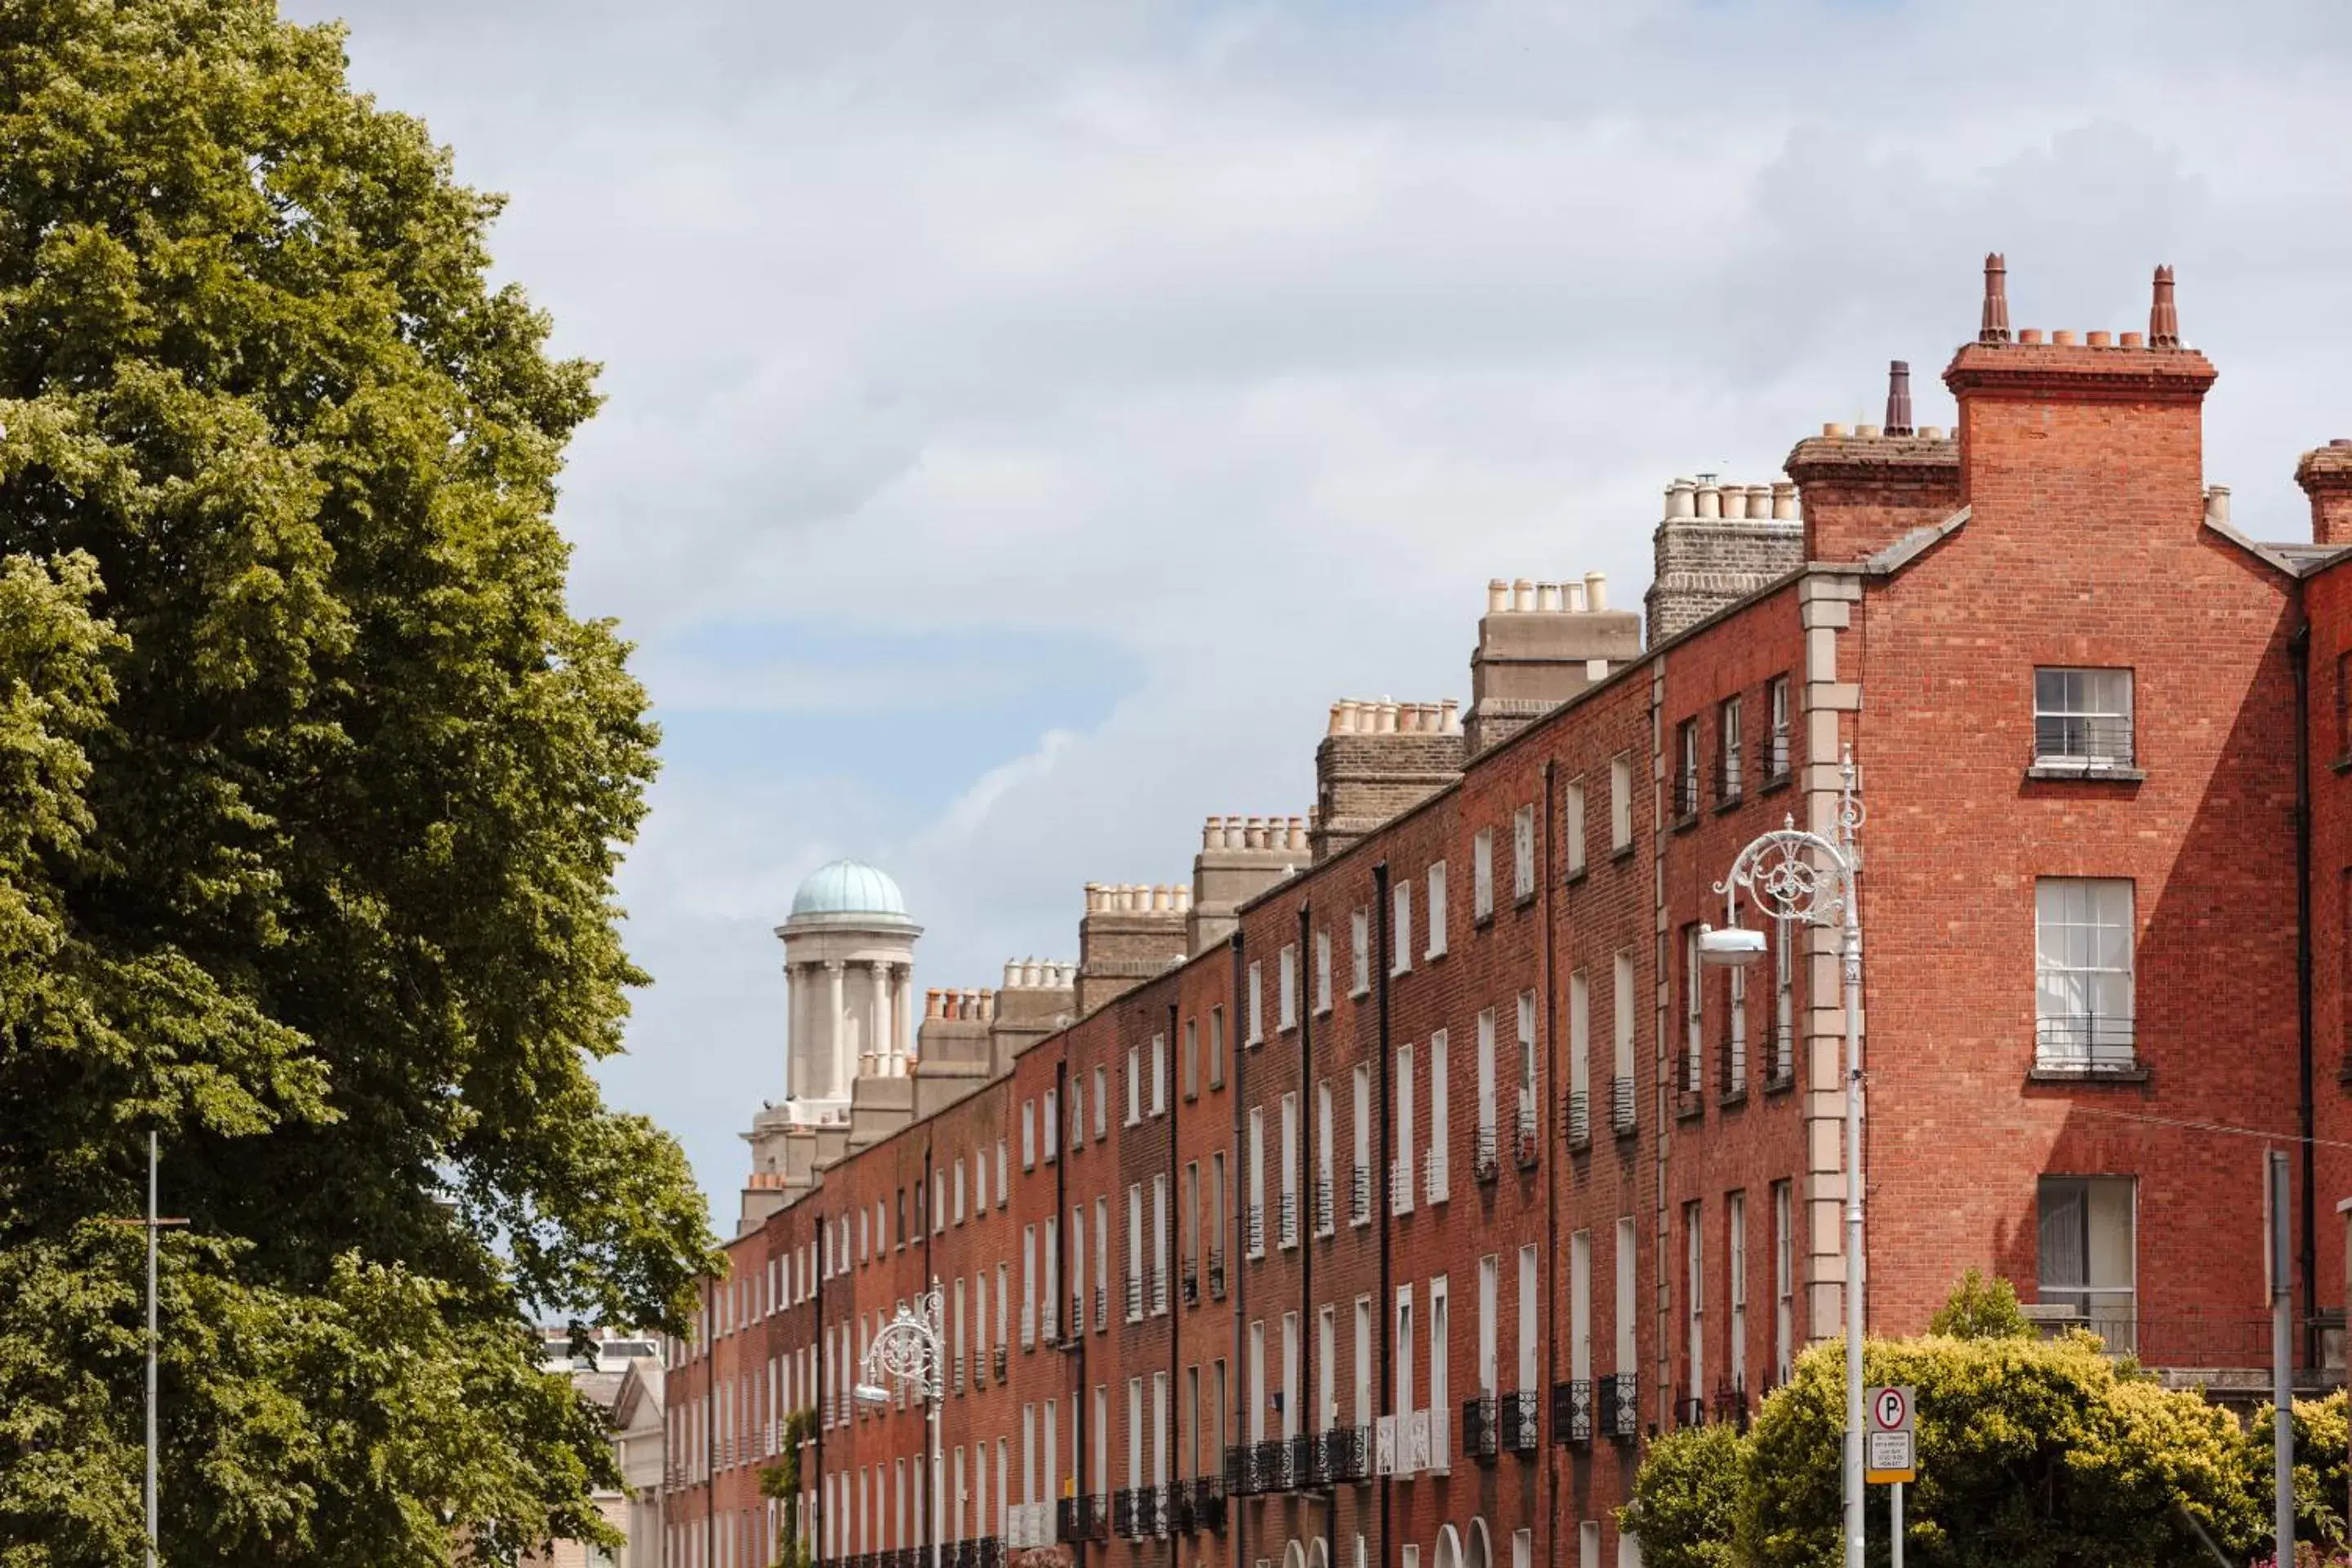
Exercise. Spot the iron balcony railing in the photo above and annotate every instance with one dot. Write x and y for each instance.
(1176, 1508)
(1135, 1298)
(1348, 1454)
(1000, 1357)
(1690, 1410)
(1620, 1404)
(1621, 1104)
(1579, 1118)
(1359, 1208)
(1400, 1187)
(1571, 1411)
(1731, 1403)
(2084, 742)
(1156, 1277)
(1217, 1275)
(1686, 791)
(1302, 1460)
(1483, 1163)
(1191, 1282)
(1209, 1504)
(1241, 1470)
(1528, 1145)
(1285, 1212)
(1253, 1229)
(1324, 1213)
(1148, 1522)
(1274, 1465)
(1028, 1324)
(1726, 772)
(1070, 1518)
(1049, 1323)
(1102, 1307)
(1077, 1313)
(1122, 1513)
(992, 1551)
(1784, 1071)
(1479, 1439)
(1522, 1422)
(1735, 1064)
(1776, 753)
(1435, 1185)
(2087, 1043)
(959, 1379)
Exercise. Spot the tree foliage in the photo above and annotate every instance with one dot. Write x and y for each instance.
(1685, 1504)
(312, 795)
(1982, 1308)
(782, 1482)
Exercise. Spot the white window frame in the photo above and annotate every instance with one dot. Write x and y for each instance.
(1621, 802)
(1256, 1006)
(1572, 814)
(1360, 949)
(1322, 971)
(1134, 1085)
(1523, 854)
(2081, 718)
(1400, 938)
(2085, 995)
(1437, 911)
(1159, 1075)
(1286, 987)
(1482, 875)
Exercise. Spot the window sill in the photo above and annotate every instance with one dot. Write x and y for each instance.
(2135, 1073)
(1690, 1105)
(1775, 781)
(2342, 765)
(1432, 956)
(1482, 921)
(1400, 971)
(1734, 1097)
(1781, 1085)
(1575, 874)
(1684, 824)
(1358, 992)
(1729, 803)
(1522, 901)
(2075, 772)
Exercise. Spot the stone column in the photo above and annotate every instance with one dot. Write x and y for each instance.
(796, 1041)
(834, 1034)
(902, 977)
(877, 1013)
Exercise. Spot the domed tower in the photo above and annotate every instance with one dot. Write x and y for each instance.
(849, 965)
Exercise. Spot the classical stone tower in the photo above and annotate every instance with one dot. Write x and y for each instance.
(849, 962)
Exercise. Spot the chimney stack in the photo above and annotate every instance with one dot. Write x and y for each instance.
(2326, 476)
(2163, 317)
(1995, 326)
(1898, 397)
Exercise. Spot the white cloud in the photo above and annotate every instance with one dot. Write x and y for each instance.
(1249, 341)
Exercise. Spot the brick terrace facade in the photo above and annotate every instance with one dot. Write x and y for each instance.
(1384, 1231)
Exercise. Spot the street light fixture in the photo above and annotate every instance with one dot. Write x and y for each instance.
(907, 1350)
(1797, 878)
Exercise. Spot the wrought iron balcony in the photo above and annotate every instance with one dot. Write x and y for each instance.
(992, 1551)
(1522, 1422)
(1783, 1069)
(1301, 1460)
(1157, 1279)
(1135, 1298)
(1347, 1454)
(1731, 1403)
(1529, 1146)
(1209, 1504)
(1002, 1356)
(1580, 1118)
(1571, 1411)
(1274, 1469)
(1324, 1214)
(1727, 773)
(1734, 1066)
(1479, 1439)
(1175, 1509)
(1359, 1208)
(1191, 1282)
(1434, 1187)
(1775, 754)
(1620, 1401)
(1147, 1513)
(2089, 744)
(1102, 1307)
(1400, 1187)
(1077, 1313)
(1484, 1160)
(1686, 793)
(1028, 1324)
(1253, 1229)
(1621, 1104)
(1070, 1518)
(1049, 1323)
(1690, 1410)
(1122, 1513)
(1241, 1470)
(1217, 1275)
(1286, 1210)
(959, 1379)
(1097, 1516)
(2091, 1044)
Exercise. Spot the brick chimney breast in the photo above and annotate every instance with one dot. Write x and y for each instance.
(2326, 476)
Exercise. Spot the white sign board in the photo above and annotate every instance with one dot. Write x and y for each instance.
(1890, 1450)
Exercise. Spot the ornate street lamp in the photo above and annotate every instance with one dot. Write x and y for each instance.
(1798, 878)
(907, 1352)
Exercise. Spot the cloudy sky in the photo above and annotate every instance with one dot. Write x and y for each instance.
(1024, 418)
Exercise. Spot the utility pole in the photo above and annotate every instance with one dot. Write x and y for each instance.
(152, 1223)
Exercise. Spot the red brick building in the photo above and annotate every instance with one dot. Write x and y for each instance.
(1405, 1174)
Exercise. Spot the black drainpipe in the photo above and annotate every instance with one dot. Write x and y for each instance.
(1236, 1277)
(2299, 656)
(1382, 1159)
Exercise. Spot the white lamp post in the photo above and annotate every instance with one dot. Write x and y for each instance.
(1795, 877)
(908, 1350)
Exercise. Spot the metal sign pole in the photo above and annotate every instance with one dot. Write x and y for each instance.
(1895, 1525)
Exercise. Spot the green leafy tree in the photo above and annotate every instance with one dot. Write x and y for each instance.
(314, 794)
(2320, 1474)
(1981, 1308)
(2032, 1454)
(782, 1482)
(1686, 1506)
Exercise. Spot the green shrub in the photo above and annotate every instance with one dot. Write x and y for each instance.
(1686, 1506)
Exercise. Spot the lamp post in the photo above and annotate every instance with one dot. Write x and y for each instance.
(907, 1350)
(1799, 878)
